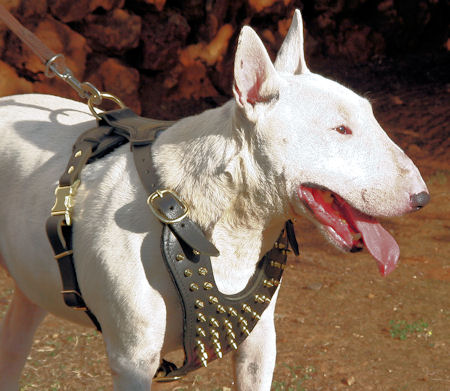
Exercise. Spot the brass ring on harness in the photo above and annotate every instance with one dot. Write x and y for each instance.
(103, 95)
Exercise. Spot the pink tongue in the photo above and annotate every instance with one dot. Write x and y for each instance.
(378, 241)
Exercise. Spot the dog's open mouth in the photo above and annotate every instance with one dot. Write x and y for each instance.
(350, 228)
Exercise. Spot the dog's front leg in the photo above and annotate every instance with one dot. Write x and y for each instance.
(254, 361)
(133, 362)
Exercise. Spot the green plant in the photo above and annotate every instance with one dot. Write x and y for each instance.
(401, 329)
(297, 376)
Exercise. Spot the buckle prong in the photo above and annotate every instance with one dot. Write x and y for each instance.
(160, 216)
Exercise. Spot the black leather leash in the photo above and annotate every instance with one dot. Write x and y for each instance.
(214, 323)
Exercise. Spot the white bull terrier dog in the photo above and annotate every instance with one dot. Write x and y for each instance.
(290, 143)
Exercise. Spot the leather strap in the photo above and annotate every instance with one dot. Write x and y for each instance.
(214, 323)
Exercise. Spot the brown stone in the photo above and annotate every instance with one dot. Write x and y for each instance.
(11, 83)
(159, 4)
(107, 5)
(114, 77)
(69, 10)
(117, 30)
(162, 39)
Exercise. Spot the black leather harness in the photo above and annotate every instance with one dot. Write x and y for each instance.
(214, 323)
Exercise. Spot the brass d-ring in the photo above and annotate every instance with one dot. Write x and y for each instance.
(103, 95)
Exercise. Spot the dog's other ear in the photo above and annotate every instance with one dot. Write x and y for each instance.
(291, 56)
(255, 78)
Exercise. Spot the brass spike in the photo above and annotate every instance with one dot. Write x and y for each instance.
(203, 271)
(242, 321)
(275, 282)
(221, 309)
(214, 322)
(276, 245)
(278, 265)
(213, 300)
(228, 324)
(232, 342)
(214, 334)
(268, 283)
(193, 287)
(204, 362)
(218, 348)
(71, 169)
(188, 273)
(232, 311)
(179, 257)
(199, 303)
(201, 332)
(196, 252)
(246, 308)
(207, 286)
(245, 331)
(200, 345)
(230, 334)
(266, 299)
(201, 317)
(256, 316)
(79, 153)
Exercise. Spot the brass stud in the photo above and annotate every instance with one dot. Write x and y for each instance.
(246, 308)
(214, 334)
(261, 299)
(199, 303)
(71, 169)
(213, 300)
(201, 332)
(242, 321)
(228, 324)
(221, 309)
(256, 316)
(214, 322)
(79, 153)
(278, 265)
(203, 271)
(196, 252)
(204, 362)
(230, 334)
(201, 317)
(179, 257)
(268, 283)
(207, 286)
(193, 287)
(232, 311)
(188, 273)
(218, 348)
(245, 331)
(232, 343)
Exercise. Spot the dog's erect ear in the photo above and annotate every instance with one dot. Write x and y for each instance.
(255, 78)
(291, 56)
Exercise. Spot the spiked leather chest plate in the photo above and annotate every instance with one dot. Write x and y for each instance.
(214, 323)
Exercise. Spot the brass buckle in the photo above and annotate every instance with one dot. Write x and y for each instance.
(65, 201)
(71, 291)
(157, 212)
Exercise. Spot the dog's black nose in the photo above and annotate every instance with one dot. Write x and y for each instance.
(419, 200)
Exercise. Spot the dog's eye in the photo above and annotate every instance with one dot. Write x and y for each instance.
(342, 129)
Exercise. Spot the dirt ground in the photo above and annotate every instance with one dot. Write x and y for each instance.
(339, 324)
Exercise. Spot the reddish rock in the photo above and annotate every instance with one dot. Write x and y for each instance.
(69, 10)
(116, 31)
(11, 83)
(162, 39)
(107, 5)
(114, 77)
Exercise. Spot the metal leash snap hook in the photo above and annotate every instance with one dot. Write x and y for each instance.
(51, 67)
(103, 95)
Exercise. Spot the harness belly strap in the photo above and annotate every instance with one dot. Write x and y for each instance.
(214, 323)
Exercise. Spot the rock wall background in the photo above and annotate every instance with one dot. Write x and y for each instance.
(170, 58)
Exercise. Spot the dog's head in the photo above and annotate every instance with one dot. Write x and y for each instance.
(333, 161)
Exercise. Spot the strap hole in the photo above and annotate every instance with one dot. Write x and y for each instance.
(171, 208)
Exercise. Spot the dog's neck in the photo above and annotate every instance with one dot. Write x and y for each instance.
(211, 162)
